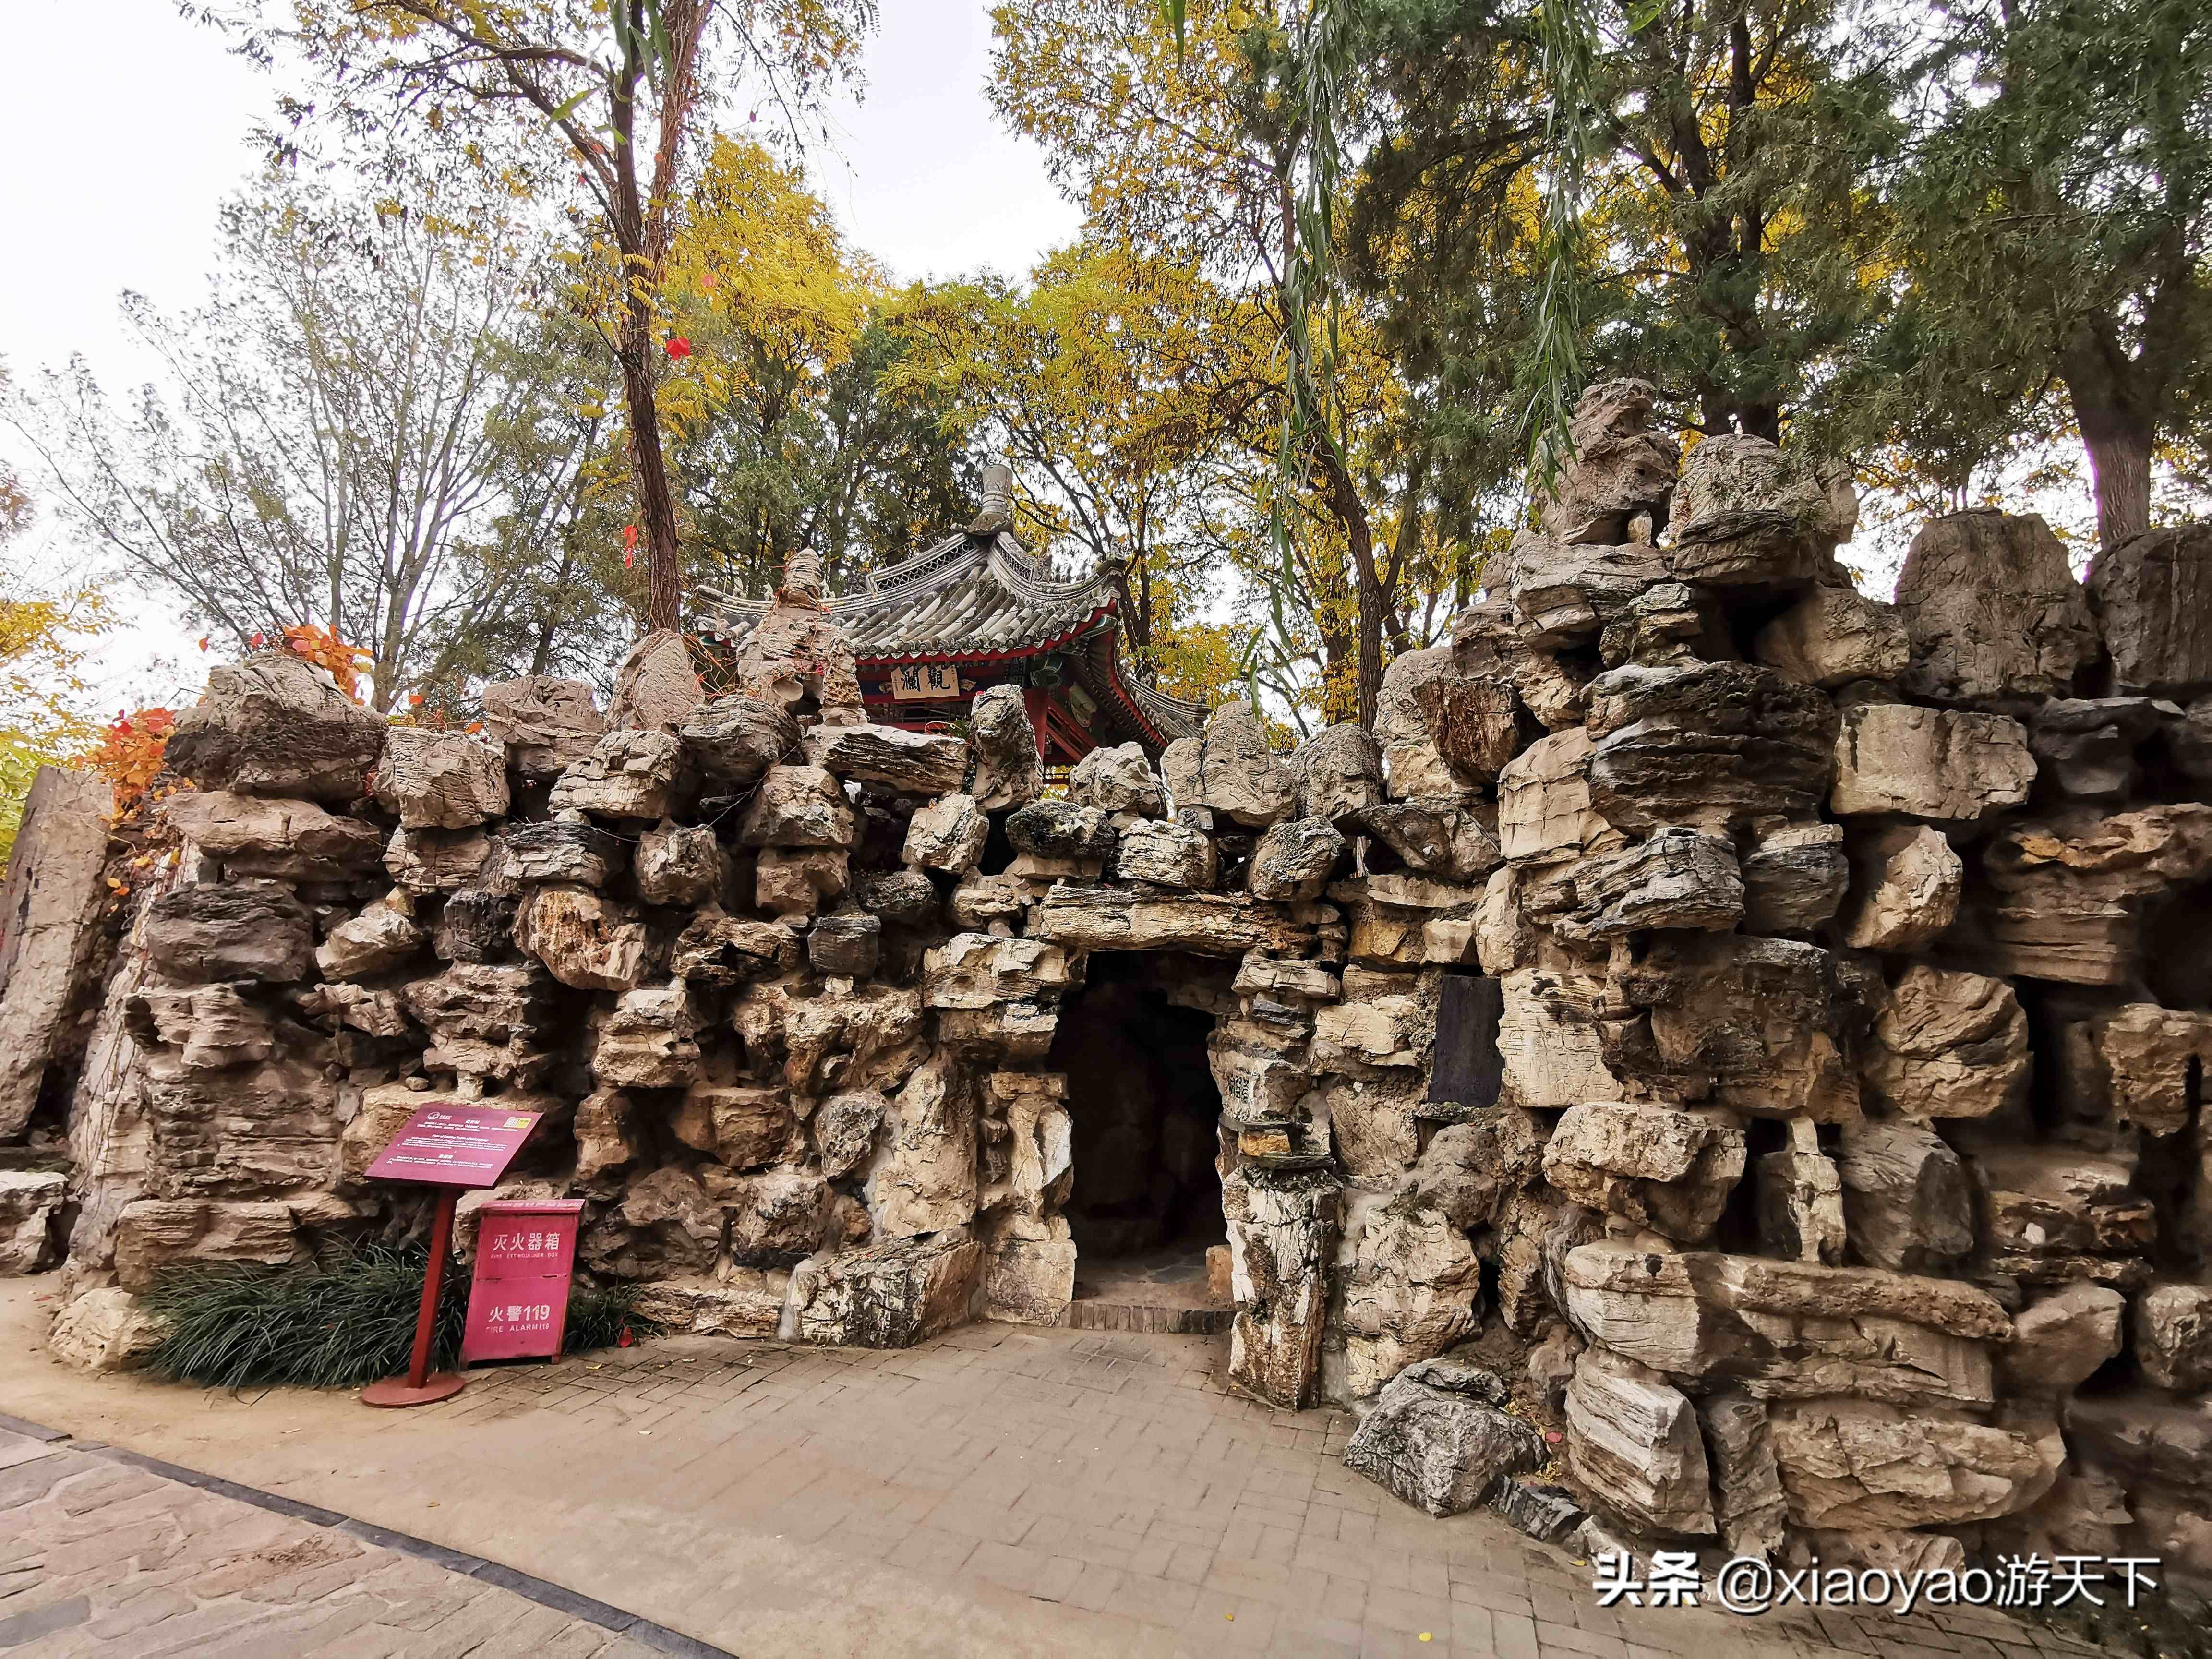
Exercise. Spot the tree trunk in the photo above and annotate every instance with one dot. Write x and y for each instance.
(664, 605)
(2111, 405)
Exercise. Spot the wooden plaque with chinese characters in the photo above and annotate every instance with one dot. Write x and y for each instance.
(519, 1296)
(924, 682)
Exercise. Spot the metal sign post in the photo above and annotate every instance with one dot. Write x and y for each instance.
(449, 1145)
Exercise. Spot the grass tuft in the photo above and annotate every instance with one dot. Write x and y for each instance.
(338, 1322)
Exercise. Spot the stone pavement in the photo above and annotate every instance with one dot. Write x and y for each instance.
(99, 1557)
(1002, 1490)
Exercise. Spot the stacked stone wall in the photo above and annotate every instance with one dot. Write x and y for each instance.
(1838, 1179)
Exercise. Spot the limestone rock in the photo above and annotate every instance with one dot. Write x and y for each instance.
(1663, 1169)
(890, 1295)
(1116, 780)
(546, 725)
(1470, 1171)
(905, 897)
(1906, 1203)
(1167, 854)
(656, 688)
(1908, 883)
(105, 1330)
(777, 1218)
(749, 1303)
(1948, 1045)
(1564, 593)
(290, 840)
(797, 655)
(1747, 513)
(925, 1179)
(1677, 878)
(718, 950)
(1786, 1330)
(947, 834)
(1545, 809)
(1294, 860)
(1933, 764)
(212, 1027)
(1410, 1280)
(275, 725)
(2153, 592)
(909, 762)
(1749, 1503)
(845, 1129)
(608, 1142)
(634, 773)
(2059, 1340)
(975, 970)
(475, 924)
(1834, 635)
(1406, 725)
(2173, 1330)
(2051, 1213)
(797, 806)
(1474, 724)
(486, 1019)
(153, 1235)
(1204, 924)
(845, 945)
(1993, 612)
(1548, 1038)
(864, 1039)
(255, 930)
(1436, 1438)
(1764, 1026)
(581, 854)
(2084, 747)
(736, 738)
(1859, 1463)
(2068, 894)
(665, 1224)
(1282, 1237)
(679, 865)
(1634, 1445)
(437, 860)
(1621, 469)
(30, 1209)
(646, 1040)
(794, 882)
(49, 944)
(1801, 1201)
(587, 941)
(441, 779)
(1794, 878)
(1706, 745)
(1441, 835)
(1029, 1268)
(1232, 770)
(1062, 829)
(739, 1126)
(379, 939)
(2144, 1058)
(1338, 773)
(1008, 772)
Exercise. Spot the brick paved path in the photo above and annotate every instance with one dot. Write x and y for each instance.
(1002, 1490)
(98, 1557)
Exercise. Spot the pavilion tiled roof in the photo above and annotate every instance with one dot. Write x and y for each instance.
(979, 598)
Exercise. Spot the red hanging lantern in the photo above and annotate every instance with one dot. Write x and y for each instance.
(678, 346)
(257, 641)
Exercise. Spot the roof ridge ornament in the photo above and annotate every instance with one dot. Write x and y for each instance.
(997, 513)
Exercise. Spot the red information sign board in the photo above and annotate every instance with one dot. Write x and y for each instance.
(518, 1298)
(448, 1144)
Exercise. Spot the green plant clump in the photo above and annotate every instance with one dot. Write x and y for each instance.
(345, 1320)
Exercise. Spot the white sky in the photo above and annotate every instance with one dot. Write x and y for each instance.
(125, 169)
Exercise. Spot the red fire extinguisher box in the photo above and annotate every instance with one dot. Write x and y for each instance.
(519, 1295)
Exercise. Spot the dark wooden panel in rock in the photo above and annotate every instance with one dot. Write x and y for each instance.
(1468, 1069)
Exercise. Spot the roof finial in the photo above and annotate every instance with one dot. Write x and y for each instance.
(998, 509)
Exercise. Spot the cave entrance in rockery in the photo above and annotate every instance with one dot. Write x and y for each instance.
(1146, 1139)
